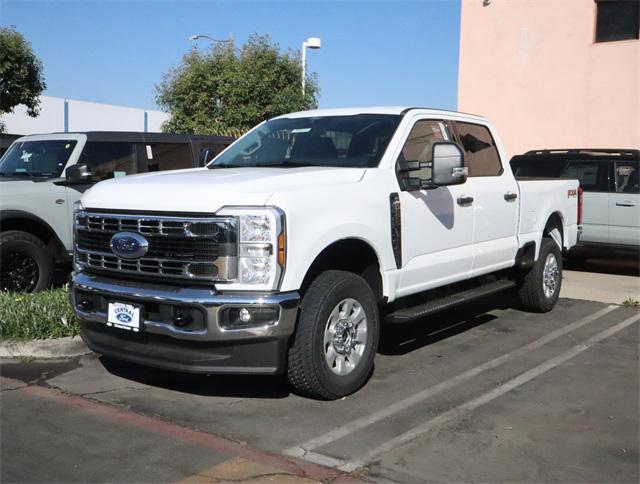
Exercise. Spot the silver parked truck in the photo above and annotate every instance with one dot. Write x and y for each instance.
(42, 176)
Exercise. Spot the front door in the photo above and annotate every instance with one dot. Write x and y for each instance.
(437, 224)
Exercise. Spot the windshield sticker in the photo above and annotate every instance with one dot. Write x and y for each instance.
(66, 147)
(26, 156)
(119, 174)
(300, 130)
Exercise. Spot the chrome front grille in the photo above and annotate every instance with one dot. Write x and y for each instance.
(193, 248)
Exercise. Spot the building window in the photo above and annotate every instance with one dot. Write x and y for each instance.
(617, 20)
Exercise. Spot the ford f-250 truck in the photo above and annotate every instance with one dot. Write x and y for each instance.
(291, 248)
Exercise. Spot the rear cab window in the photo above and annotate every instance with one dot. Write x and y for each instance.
(481, 154)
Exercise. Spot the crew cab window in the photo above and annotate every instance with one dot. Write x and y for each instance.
(481, 154)
(591, 174)
(110, 159)
(419, 144)
(168, 156)
(626, 177)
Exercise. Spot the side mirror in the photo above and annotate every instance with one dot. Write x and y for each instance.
(206, 155)
(78, 174)
(448, 164)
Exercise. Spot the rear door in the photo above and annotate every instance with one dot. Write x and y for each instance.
(624, 206)
(495, 203)
(594, 180)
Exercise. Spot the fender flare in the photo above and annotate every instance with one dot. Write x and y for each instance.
(19, 214)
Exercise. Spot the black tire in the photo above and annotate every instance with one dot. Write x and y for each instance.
(531, 292)
(25, 264)
(309, 371)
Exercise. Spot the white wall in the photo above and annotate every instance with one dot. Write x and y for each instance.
(81, 116)
(51, 118)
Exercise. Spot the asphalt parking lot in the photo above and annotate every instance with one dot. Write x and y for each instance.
(482, 393)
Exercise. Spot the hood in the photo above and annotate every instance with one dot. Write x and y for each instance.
(205, 190)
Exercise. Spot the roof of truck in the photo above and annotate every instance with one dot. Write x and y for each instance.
(131, 136)
(566, 154)
(399, 110)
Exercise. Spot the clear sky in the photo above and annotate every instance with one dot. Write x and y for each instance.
(373, 53)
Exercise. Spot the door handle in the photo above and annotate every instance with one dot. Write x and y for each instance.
(625, 204)
(465, 200)
(510, 196)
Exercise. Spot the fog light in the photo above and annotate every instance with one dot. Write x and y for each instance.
(245, 315)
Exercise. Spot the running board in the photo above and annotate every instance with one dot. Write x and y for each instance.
(412, 313)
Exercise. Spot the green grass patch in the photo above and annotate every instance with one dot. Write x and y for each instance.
(43, 315)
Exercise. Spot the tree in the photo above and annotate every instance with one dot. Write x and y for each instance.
(229, 90)
(21, 78)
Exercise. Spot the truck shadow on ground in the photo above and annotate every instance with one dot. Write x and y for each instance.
(395, 340)
(622, 265)
(400, 339)
(245, 386)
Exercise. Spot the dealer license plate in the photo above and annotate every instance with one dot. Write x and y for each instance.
(124, 316)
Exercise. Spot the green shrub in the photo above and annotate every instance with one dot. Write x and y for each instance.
(43, 315)
(631, 303)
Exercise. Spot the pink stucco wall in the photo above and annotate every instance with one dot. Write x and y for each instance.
(532, 67)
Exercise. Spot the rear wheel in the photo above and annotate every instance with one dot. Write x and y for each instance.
(540, 286)
(336, 338)
(25, 265)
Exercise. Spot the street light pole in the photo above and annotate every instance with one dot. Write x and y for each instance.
(196, 37)
(312, 43)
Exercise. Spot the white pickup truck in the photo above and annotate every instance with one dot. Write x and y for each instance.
(292, 247)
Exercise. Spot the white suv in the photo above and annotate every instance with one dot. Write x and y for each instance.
(42, 176)
(609, 179)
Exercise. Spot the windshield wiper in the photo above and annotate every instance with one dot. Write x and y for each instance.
(33, 173)
(276, 164)
(282, 164)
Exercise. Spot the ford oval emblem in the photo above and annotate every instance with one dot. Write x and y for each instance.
(129, 245)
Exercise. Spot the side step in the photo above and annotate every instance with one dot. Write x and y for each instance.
(406, 315)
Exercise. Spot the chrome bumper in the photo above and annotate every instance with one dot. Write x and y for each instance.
(206, 301)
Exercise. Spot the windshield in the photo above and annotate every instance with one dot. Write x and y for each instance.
(45, 158)
(341, 141)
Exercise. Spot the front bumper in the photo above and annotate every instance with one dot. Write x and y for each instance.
(203, 345)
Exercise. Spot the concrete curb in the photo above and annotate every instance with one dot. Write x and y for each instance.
(49, 348)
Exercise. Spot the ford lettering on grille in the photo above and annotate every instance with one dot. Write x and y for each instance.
(129, 245)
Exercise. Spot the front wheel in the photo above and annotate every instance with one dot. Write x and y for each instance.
(540, 287)
(336, 338)
(25, 265)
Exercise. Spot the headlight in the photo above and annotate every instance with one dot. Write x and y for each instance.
(261, 247)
